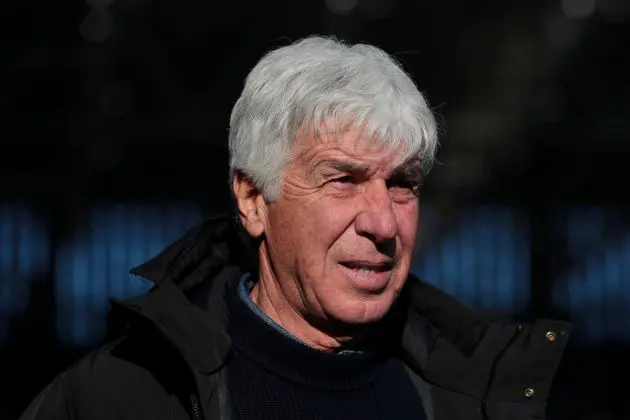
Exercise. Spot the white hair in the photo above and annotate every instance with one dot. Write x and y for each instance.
(320, 80)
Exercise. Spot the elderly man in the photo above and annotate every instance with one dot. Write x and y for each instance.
(302, 306)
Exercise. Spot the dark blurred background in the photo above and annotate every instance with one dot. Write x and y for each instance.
(114, 118)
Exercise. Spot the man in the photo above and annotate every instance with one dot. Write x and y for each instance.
(328, 145)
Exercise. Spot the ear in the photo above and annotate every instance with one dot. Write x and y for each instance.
(250, 204)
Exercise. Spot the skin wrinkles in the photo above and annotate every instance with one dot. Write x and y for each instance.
(341, 200)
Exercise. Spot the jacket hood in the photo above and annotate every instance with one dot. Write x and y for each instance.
(188, 307)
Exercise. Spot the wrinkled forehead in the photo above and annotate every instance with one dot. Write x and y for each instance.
(350, 144)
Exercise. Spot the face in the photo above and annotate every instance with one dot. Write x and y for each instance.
(339, 239)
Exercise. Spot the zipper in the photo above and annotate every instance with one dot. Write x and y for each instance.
(195, 408)
(220, 397)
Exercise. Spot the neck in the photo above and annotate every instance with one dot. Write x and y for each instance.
(286, 307)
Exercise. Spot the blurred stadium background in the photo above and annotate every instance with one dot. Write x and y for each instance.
(114, 116)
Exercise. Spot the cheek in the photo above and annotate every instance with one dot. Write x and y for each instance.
(305, 228)
(328, 219)
(284, 228)
(407, 217)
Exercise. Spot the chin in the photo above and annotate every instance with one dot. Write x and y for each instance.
(362, 310)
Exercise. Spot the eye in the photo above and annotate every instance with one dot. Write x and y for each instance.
(402, 183)
(403, 187)
(347, 179)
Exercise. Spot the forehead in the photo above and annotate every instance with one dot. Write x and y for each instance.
(346, 145)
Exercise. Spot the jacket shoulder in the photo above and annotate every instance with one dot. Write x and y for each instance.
(508, 374)
(119, 380)
(481, 361)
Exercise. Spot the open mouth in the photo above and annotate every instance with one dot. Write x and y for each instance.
(369, 267)
(368, 276)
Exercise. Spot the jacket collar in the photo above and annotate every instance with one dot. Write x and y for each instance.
(187, 306)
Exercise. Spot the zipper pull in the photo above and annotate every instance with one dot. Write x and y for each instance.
(195, 408)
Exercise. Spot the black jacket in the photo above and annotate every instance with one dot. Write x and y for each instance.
(170, 363)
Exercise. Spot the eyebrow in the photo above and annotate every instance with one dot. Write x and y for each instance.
(344, 166)
(336, 165)
(408, 169)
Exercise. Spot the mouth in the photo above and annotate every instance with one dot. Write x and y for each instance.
(369, 266)
(369, 276)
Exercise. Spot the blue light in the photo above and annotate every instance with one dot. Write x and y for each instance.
(467, 262)
(483, 259)
(24, 256)
(592, 290)
(94, 266)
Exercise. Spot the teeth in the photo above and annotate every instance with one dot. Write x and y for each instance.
(369, 277)
(364, 273)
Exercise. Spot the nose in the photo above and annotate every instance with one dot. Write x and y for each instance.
(377, 220)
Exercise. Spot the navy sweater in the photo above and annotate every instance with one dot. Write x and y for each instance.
(274, 376)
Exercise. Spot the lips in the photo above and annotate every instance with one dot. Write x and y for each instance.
(369, 276)
(378, 266)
